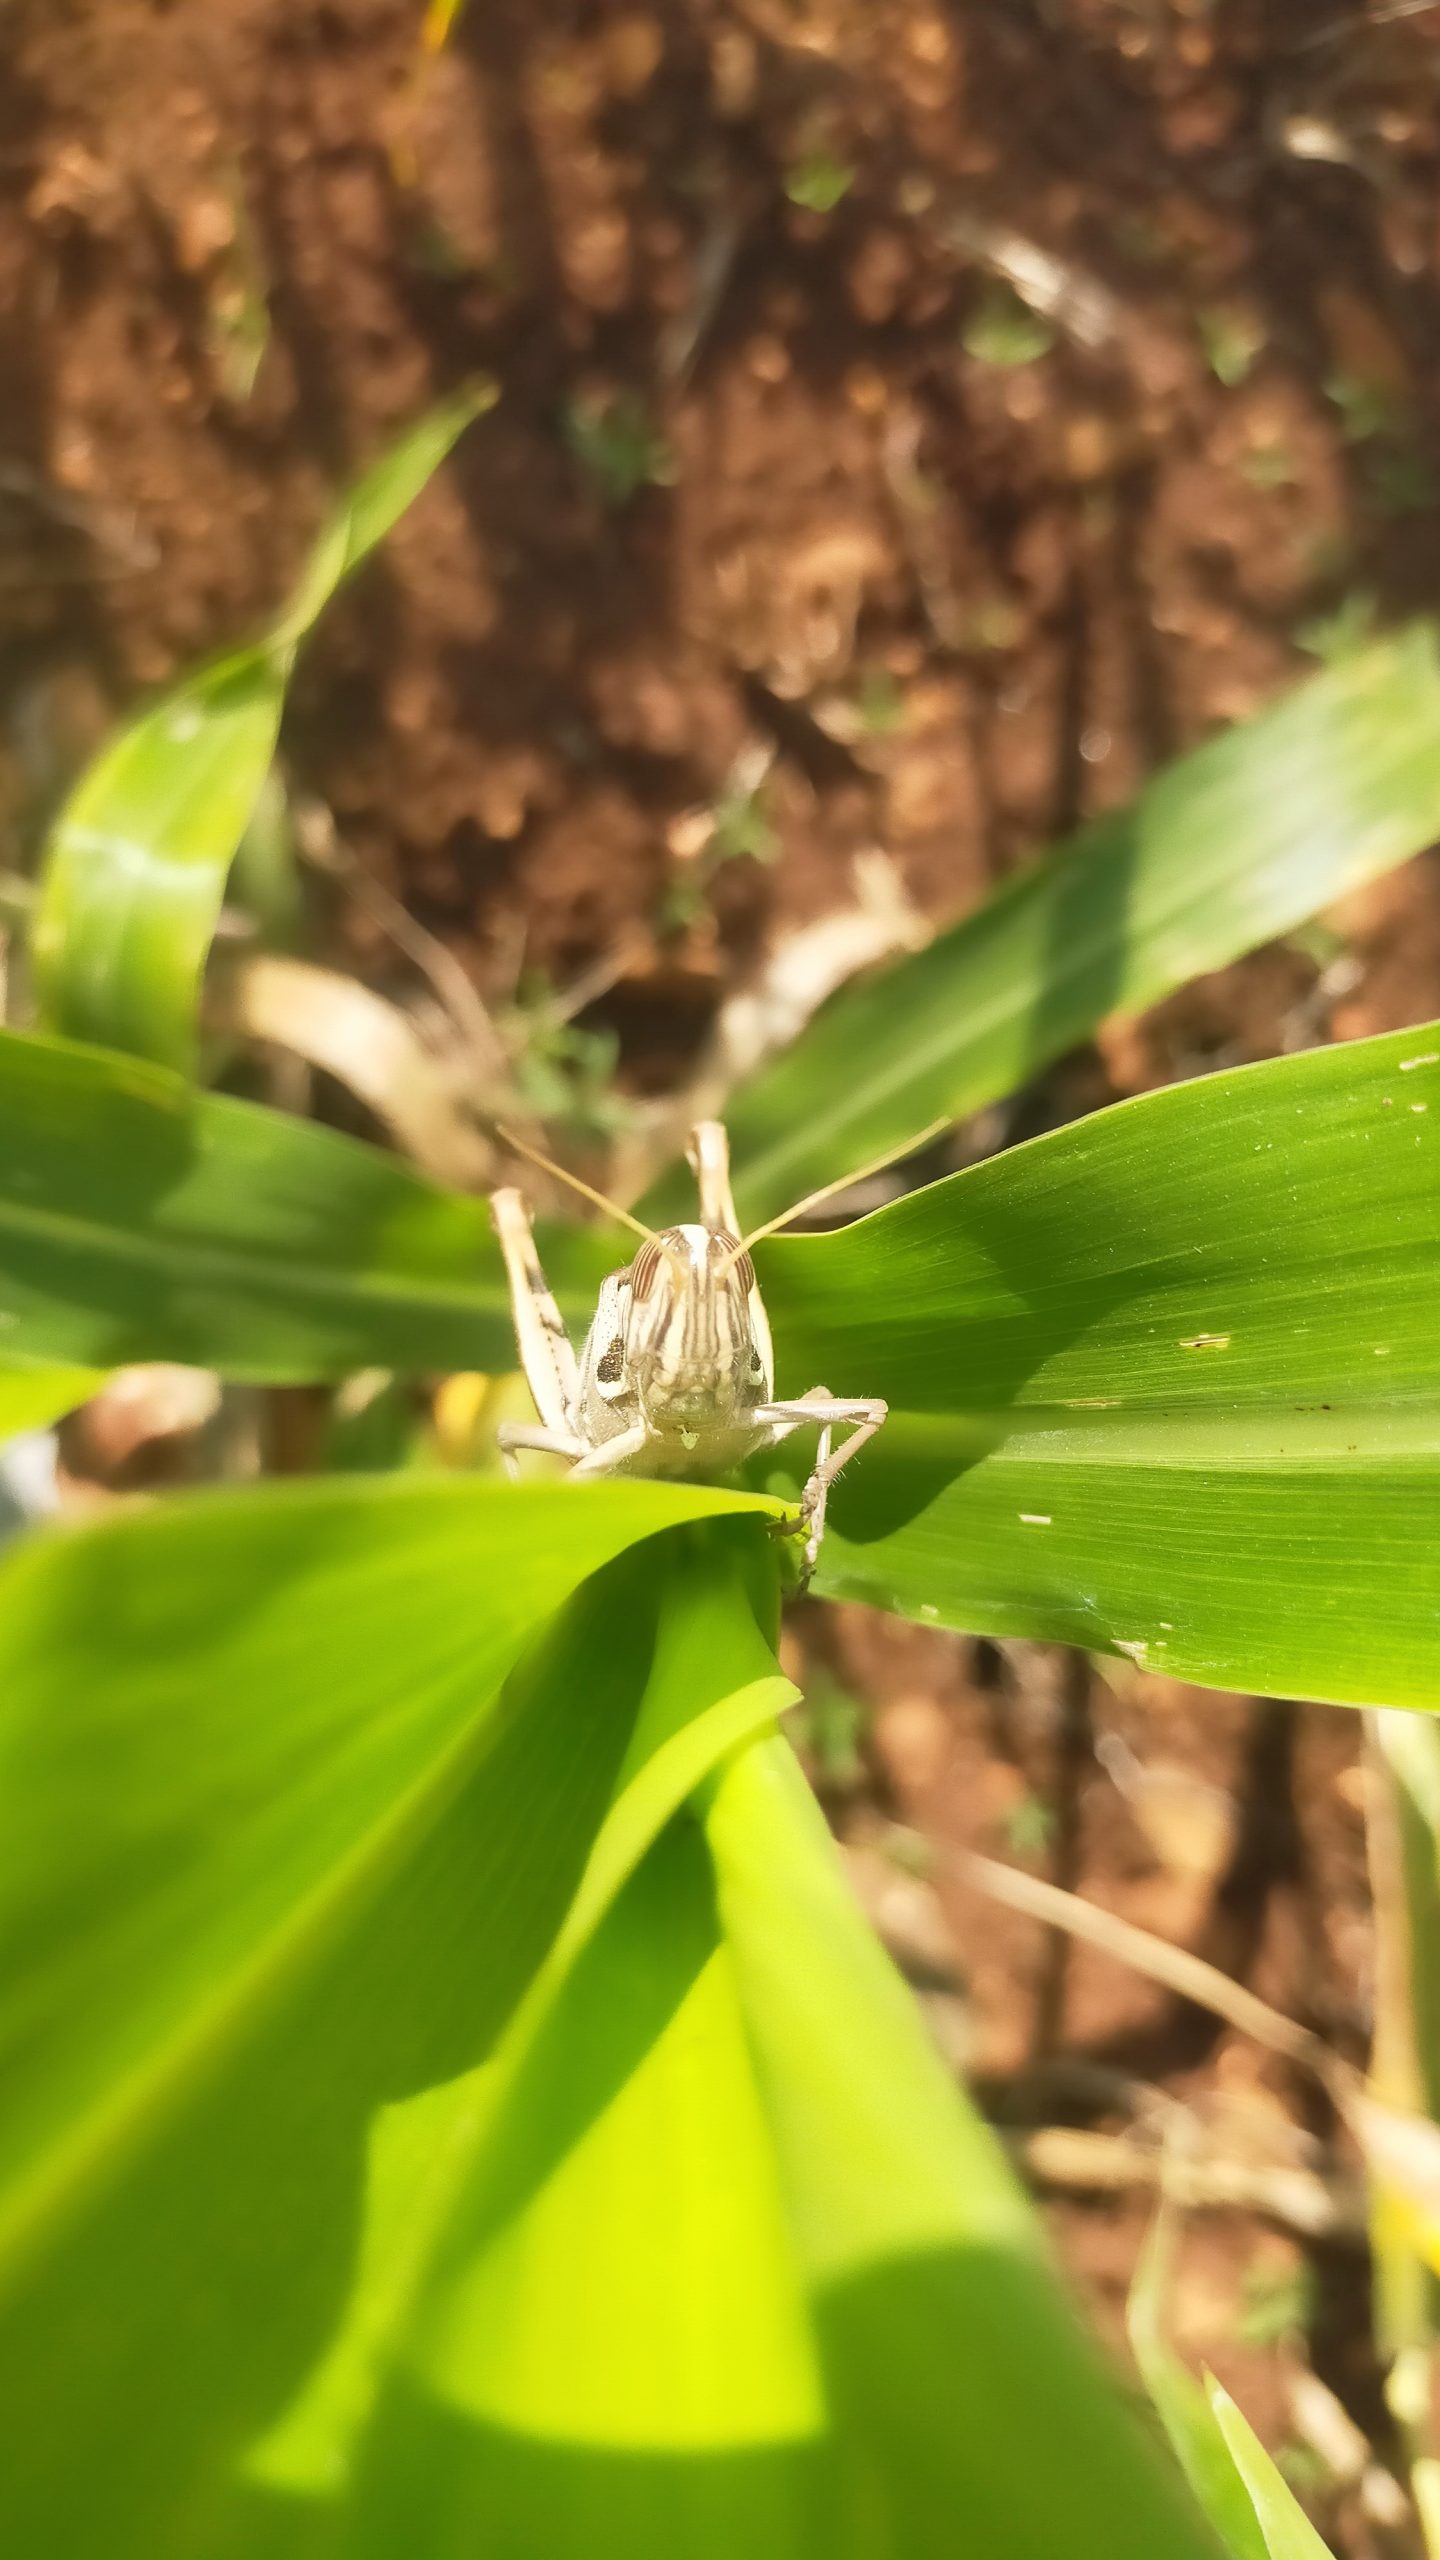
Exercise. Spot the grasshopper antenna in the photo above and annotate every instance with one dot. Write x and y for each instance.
(572, 1182)
(845, 1182)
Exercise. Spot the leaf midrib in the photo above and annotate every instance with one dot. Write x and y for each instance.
(1274, 1438)
(203, 1259)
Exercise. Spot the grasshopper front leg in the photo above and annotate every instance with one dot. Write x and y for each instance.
(513, 1436)
(547, 1355)
(864, 1414)
(612, 1455)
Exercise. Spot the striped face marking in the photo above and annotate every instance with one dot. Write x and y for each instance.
(690, 1349)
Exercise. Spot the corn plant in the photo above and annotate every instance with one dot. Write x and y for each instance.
(450, 2101)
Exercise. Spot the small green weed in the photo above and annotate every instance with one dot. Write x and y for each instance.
(1003, 331)
(617, 442)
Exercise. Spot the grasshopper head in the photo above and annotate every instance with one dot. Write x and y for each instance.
(691, 1351)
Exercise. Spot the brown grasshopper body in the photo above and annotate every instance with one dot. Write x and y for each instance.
(677, 1373)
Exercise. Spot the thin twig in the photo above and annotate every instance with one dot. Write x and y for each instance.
(592, 983)
(1056, 288)
(1401, 2146)
(682, 337)
(1189, 1976)
(366, 1043)
(326, 850)
(127, 542)
(1091, 2163)
(753, 1025)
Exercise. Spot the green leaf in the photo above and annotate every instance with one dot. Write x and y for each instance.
(1233, 845)
(609, 2352)
(1182, 2404)
(34, 1392)
(365, 514)
(947, 2354)
(136, 866)
(1165, 1383)
(276, 1849)
(452, 2165)
(140, 1220)
(711, 2257)
(1003, 330)
(1240, 2488)
(135, 1646)
(1287, 2530)
(819, 181)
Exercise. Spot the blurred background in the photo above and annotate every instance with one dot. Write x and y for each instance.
(917, 423)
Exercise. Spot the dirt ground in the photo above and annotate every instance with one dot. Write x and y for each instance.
(917, 422)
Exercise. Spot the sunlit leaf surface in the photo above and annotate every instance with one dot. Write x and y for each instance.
(283, 1843)
(712, 2257)
(1236, 843)
(1166, 1383)
(1183, 2404)
(1287, 2530)
(136, 866)
(140, 1220)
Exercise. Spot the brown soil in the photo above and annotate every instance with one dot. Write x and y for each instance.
(1229, 1826)
(963, 581)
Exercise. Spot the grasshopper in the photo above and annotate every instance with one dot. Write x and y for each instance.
(677, 1374)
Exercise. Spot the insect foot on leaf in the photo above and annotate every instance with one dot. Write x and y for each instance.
(862, 1416)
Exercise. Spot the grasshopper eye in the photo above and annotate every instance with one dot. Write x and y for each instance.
(727, 1256)
(644, 1271)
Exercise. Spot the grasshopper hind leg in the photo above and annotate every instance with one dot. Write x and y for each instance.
(708, 1152)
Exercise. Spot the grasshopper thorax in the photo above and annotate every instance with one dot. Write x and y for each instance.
(694, 1355)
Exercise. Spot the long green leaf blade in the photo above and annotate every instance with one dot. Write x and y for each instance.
(457, 2167)
(715, 2259)
(1166, 1383)
(946, 2354)
(277, 1849)
(277, 1684)
(135, 870)
(611, 2351)
(1288, 2532)
(1182, 2404)
(140, 1220)
(365, 513)
(1238, 842)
